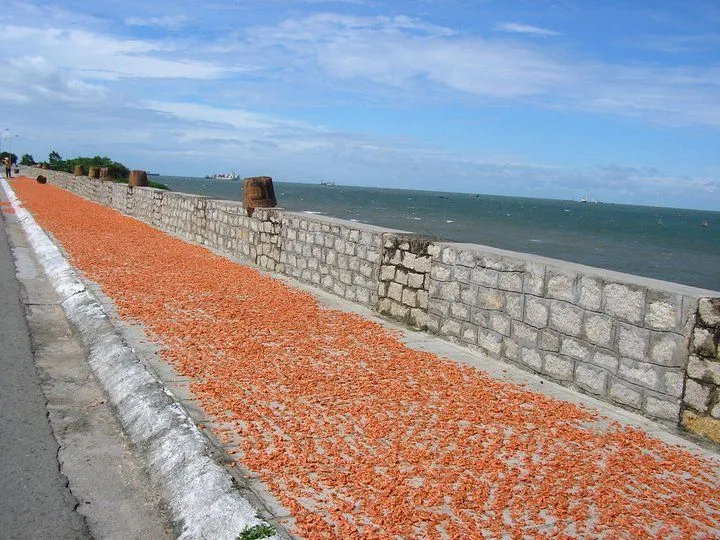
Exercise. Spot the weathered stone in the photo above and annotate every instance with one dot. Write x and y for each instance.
(625, 393)
(461, 274)
(511, 281)
(399, 311)
(662, 408)
(704, 426)
(469, 333)
(624, 302)
(697, 395)
(633, 342)
(450, 327)
(639, 373)
(415, 280)
(591, 379)
(423, 264)
(674, 383)
(468, 295)
(668, 350)
(701, 369)
(590, 293)
(395, 291)
(439, 307)
(479, 317)
(662, 314)
(419, 318)
(549, 340)
(448, 256)
(466, 258)
(598, 329)
(534, 281)
(558, 367)
(422, 299)
(531, 358)
(490, 299)
(566, 318)
(709, 311)
(408, 260)
(490, 341)
(536, 311)
(511, 349)
(409, 297)
(561, 286)
(485, 277)
(499, 322)
(574, 348)
(446, 291)
(702, 342)
(441, 272)
(514, 305)
(524, 333)
(459, 311)
(605, 360)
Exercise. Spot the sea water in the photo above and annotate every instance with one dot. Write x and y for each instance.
(670, 244)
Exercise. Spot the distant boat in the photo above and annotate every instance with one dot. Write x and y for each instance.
(583, 199)
(327, 183)
(223, 176)
(705, 223)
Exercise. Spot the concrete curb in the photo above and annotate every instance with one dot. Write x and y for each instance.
(199, 493)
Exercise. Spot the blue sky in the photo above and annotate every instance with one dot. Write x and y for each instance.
(619, 101)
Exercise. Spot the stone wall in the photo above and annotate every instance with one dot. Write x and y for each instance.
(701, 402)
(645, 345)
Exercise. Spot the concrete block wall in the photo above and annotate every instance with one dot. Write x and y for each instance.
(645, 345)
(338, 256)
(701, 401)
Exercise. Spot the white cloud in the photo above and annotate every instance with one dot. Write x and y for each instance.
(173, 22)
(519, 28)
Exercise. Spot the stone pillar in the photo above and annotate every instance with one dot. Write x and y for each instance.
(138, 179)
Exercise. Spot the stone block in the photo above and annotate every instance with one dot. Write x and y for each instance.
(624, 393)
(485, 277)
(537, 311)
(399, 311)
(605, 360)
(450, 327)
(479, 317)
(667, 349)
(531, 358)
(469, 333)
(534, 279)
(575, 348)
(590, 293)
(697, 395)
(511, 349)
(709, 312)
(449, 291)
(467, 258)
(439, 307)
(702, 342)
(510, 281)
(401, 276)
(701, 369)
(514, 305)
(419, 318)
(549, 340)
(704, 426)
(598, 329)
(409, 297)
(590, 378)
(674, 383)
(441, 272)
(422, 299)
(524, 333)
(566, 318)
(490, 299)
(632, 342)
(639, 373)
(459, 311)
(490, 341)
(448, 256)
(395, 291)
(423, 264)
(624, 302)
(415, 280)
(561, 285)
(433, 323)
(663, 311)
(662, 409)
(499, 322)
(408, 260)
(468, 295)
(559, 367)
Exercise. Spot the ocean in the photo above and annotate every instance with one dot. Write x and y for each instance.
(682, 246)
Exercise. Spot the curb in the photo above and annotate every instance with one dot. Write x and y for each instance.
(199, 493)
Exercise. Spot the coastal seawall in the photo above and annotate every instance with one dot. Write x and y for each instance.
(646, 345)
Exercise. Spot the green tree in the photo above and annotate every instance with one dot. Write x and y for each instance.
(13, 157)
(54, 159)
(27, 159)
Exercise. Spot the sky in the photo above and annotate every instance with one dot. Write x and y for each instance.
(618, 101)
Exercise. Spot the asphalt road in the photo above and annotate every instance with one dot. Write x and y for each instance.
(35, 501)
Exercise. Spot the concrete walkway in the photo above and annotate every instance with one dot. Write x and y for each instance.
(355, 428)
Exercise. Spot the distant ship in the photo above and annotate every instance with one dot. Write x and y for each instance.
(223, 176)
(327, 183)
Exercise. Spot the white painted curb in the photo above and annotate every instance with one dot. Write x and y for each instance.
(199, 493)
